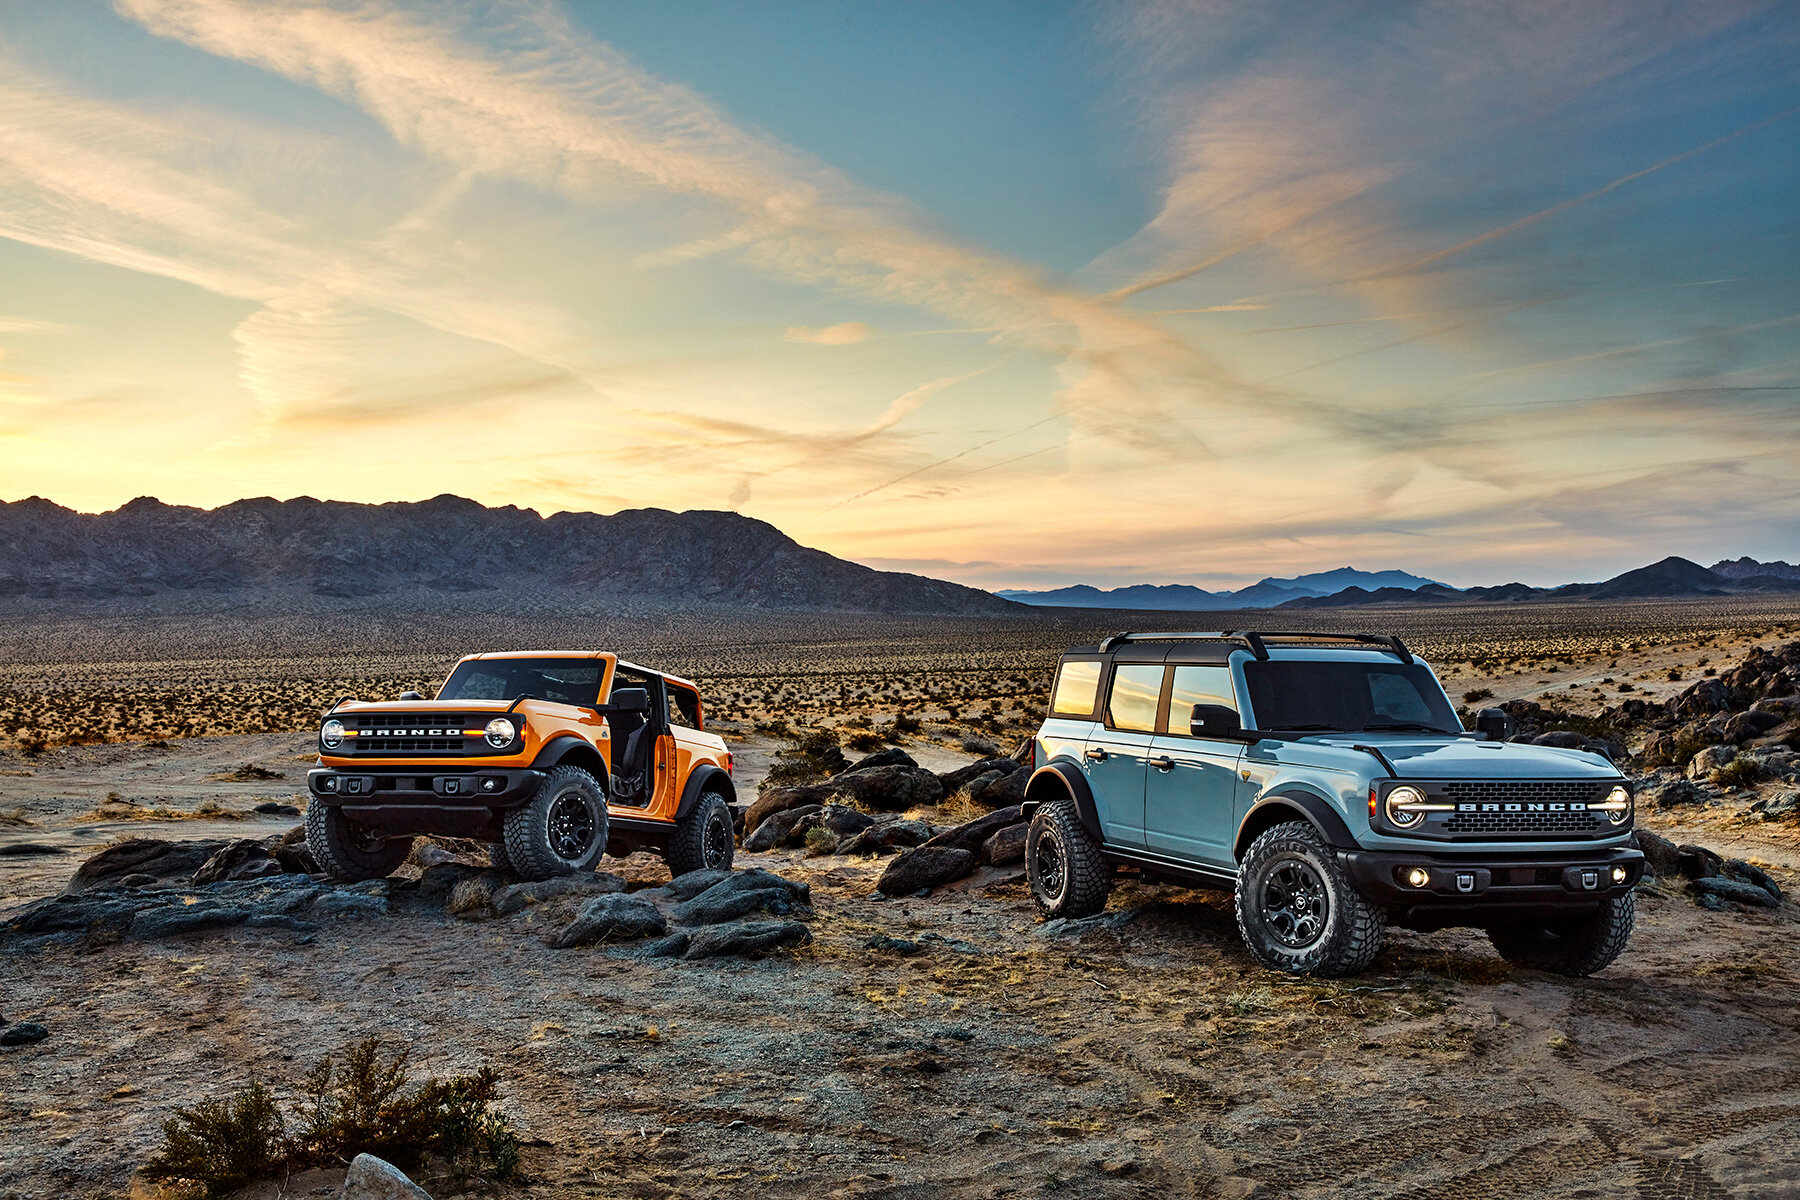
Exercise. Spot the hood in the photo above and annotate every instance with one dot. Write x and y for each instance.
(420, 706)
(1417, 757)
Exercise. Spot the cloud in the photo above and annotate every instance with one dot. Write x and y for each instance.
(844, 334)
(29, 325)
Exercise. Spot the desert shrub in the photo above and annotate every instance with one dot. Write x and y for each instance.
(361, 1104)
(1474, 695)
(793, 772)
(820, 840)
(1674, 675)
(1739, 772)
(905, 723)
(219, 1146)
(864, 741)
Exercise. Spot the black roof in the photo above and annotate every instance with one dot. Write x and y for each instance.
(1218, 647)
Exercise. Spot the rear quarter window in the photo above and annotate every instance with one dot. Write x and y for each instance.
(1077, 688)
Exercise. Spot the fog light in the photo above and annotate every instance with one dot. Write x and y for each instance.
(1418, 877)
(328, 784)
(490, 785)
(1619, 874)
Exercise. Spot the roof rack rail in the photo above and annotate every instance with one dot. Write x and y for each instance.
(1256, 640)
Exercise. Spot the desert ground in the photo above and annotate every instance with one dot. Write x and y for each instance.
(951, 1045)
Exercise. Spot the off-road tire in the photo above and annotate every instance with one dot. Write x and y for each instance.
(497, 857)
(704, 839)
(347, 851)
(1068, 876)
(561, 830)
(1297, 910)
(1577, 946)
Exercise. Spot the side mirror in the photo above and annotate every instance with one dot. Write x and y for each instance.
(1214, 721)
(632, 700)
(411, 696)
(1492, 723)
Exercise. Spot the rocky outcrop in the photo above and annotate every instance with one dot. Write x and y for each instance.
(371, 1178)
(698, 915)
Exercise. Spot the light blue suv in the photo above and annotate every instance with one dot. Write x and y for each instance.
(1328, 782)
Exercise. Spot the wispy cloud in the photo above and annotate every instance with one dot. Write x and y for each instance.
(845, 334)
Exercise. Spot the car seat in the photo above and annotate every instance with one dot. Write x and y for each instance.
(629, 732)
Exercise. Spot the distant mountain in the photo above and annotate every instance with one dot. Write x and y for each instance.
(425, 553)
(1672, 577)
(1181, 597)
(1749, 568)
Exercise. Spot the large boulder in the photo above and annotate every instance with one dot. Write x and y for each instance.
(741, 893)
(245, 859)
(155, 857)
(612, 917)
(1005, 847)
(893, 756)
(516, 897)
(1709, 760)
(1673, 792)
(1004, 792)
(371, 1178)
(889, 789)
(774, 829)
(1747, 725)
(1718, 888)
(747, 939)
(970, 835)
(783, 799)
(1659, 853)
(925, 868)
(964, 776)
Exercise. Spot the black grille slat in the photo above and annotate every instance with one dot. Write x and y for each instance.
(1522, 791)
(1524, 823)
(1531, 794)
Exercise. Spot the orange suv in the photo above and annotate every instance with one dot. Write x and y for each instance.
(554, 757)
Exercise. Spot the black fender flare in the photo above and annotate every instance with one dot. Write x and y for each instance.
(1057, 779)
(700, 779)
(1276, 807)
(552, 751)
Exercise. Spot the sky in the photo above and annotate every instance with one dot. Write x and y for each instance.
(1019, 294)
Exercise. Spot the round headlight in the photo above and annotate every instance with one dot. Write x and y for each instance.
(1399, 816)
(1621, 797)
(500, 732)
(331, 734)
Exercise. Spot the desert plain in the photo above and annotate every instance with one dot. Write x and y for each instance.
(950, 1045)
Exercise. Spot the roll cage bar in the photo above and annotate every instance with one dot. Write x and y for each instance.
(1256, 640)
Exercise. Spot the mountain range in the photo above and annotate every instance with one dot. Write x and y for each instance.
(425, 554)
(1182, 597)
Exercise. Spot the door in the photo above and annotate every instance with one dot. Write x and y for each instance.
(1116, 752)
(1191, 784)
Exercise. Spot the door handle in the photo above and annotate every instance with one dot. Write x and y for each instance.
(1095, 755)
(1163, 764)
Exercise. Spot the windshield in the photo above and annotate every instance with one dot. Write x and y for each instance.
(566, 680)
(1350, 697)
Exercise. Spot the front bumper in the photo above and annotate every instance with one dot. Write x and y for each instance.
(1463, 889)
(415, 800)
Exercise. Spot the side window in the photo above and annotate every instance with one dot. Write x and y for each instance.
(1077, 687)
(1136, 692)
(1197, 685)
(684, 707)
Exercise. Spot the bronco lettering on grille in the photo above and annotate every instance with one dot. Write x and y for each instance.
(1533, 807)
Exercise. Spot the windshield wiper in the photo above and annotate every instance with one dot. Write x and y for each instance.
(1405, 727)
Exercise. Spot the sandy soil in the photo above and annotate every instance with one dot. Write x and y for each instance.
(1138, 1054)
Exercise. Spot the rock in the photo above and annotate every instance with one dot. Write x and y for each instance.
(347, 903)
(1659, 747)
(906, 833)
(296, 860)
(26, 849)
(162, 922)
(667, 947)
(1733, 889)
(839, 819)
(775, 829)
(1697, 862)
(743, 892)
(1005, 846)
(970, 835)
(1659, 853)
(1709, 760)
(869, 842)
(142, 856)
(612, 917)
(1741, 727)
(925, 868)
(132, 881)
(1781, 806)
(782, 799)
(1006, 792)
(427, 853)
(1674, 792)
(963, 776)
(244, 859)
(294, 837)
(1743, 872)
(439, 881)
(686, 887)
(1562, 739)
(748, 939)
(371, 1178)
(894, 945)
(893, 756)
(24, 1033)
(274, 808)
(889, 789)
(517, 896)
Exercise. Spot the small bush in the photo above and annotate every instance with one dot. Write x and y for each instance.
(1739, 772)
(820, 840)
(1674, 675)
(905, 723)
(792, 772)
(222, 1145)
(864, 741)
(1475, 695)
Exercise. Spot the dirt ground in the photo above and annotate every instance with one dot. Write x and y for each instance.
(1141, 1053)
